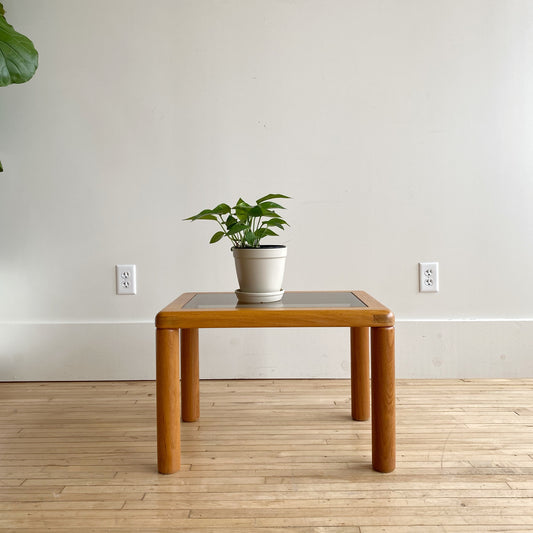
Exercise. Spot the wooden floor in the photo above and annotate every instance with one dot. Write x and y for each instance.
(266, 456)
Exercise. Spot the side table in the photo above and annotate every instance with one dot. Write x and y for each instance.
(356, 310)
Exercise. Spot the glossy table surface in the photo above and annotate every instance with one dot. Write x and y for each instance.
(295, 309)
(290, 300)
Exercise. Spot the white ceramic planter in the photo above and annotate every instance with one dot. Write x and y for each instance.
(260, 273)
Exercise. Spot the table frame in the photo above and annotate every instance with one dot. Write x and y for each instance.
(173, 405)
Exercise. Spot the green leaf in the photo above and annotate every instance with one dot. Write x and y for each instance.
(270, 214)
(241, 202)
(230, 221)
(18, 57)
(250, 237)
(236, 228)
(222, 209)
(265, 232)
(216, 237)
(271, 196)
(242, 212)
(271, 205)
(256, 211)
(206, 214)
(278, 222)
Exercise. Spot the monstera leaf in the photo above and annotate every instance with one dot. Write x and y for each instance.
(18, 57)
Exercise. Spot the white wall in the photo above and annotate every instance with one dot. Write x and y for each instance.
(403, 130)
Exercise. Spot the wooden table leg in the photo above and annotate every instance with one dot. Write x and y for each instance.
(168, 400)
(360, 373)
(383, 400)
(190, 377)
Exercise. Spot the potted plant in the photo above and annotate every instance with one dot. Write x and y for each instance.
(259, 267)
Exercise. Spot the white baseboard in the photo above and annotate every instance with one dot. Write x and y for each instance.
(59, 351)
(125, 351)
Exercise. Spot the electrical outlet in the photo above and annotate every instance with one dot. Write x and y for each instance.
(428, 275)
(126, 279)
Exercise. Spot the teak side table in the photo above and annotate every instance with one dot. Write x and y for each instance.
(354, 309)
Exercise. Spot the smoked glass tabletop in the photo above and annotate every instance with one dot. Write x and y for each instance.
(290, 300)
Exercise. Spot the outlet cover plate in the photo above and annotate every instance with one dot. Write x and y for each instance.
(126, 279)
(428, 277)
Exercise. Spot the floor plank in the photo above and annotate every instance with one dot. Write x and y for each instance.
(267, 456)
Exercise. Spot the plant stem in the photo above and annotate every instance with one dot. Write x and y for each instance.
(256, 227)
(221, 223)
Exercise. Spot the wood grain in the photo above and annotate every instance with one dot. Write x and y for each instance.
(175, 316)
(360, 373)
(190, 375)
(359, 319)
(168, 400)
(81, 457)
(383, 400)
